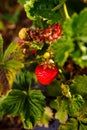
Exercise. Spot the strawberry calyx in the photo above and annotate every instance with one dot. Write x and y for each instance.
(48, 63)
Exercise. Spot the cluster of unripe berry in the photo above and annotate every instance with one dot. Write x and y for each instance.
(52, 32)
(49, 34)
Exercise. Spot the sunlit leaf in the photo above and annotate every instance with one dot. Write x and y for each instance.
(72, 124)
(62, 113)
(10, 50)
(11, 63)
(75, 103)
(45, 10)
(46, 117)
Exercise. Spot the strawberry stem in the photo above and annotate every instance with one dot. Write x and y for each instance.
(66, 11)
(58, 6)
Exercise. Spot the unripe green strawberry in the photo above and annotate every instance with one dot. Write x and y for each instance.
(46, 75)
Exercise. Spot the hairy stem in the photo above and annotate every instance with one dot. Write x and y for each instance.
(58, 6)
(66, 11)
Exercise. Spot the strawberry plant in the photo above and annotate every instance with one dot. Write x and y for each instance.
(52, 54)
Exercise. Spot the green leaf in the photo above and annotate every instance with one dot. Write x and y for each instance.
(21, 100)
(13, 103)
(62, 49)
(10, 50)
(54, 89)
(83, 118)
(72, 124)
(83, 109)
(62, 114)
(14, 65)
(1, 108)
(12, 62)
(1, 48)
(75, 29)
(83, 127)
(23, 80)
(67, 28)
(43, 9)
(33, 108)
(79, 85)
(54, 104)
(66, 91)
(80, 25)
(64, 46)
(29, 106)
(75, 104)
(28, 5)
(67, 106)
(79, 55)
(46, 117)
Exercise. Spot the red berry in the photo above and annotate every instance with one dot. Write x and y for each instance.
(57, 29)
(55, 35)
(21, 41)
(33, 51)
(46, 75)
(50, 38)
(52, 32)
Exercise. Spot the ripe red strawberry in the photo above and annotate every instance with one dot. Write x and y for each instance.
(45, 75)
